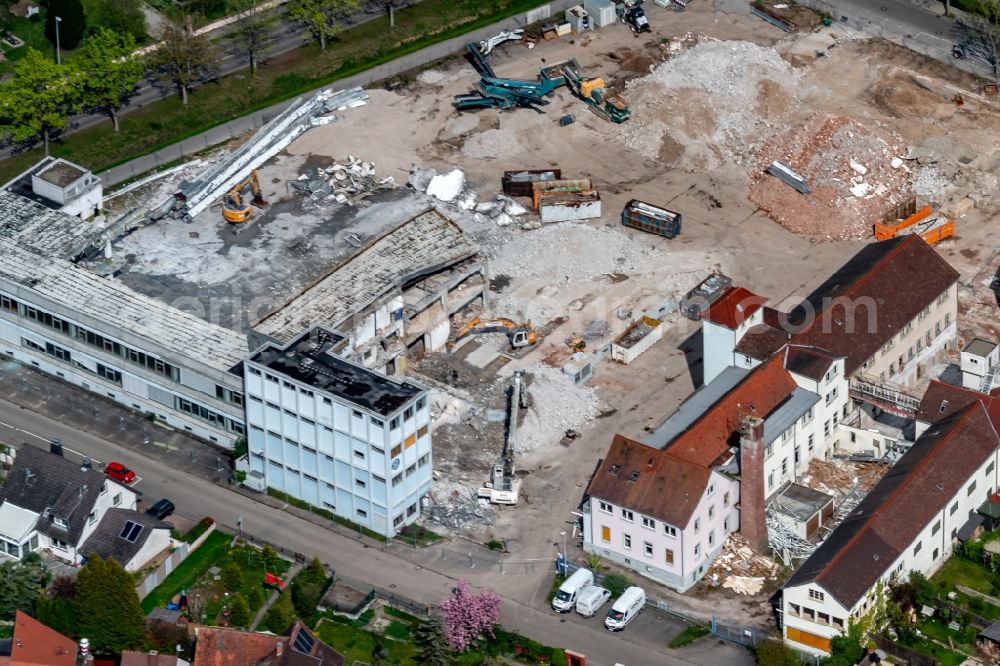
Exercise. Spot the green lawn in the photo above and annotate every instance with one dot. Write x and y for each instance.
(251, 564)
(33, 34)
(359, 644)
(189, 571)
(944, 656)
(691, 633)
(957, 571)
(937, 630)
(360, 48)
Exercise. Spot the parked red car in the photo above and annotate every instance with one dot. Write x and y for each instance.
(119, 472)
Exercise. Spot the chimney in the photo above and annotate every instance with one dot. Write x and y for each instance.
(753, 524)
(279, 649)
(55, 446)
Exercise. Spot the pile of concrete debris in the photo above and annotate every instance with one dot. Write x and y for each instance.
(739, 568)
(451, 187)
(342, 182)
(456, 506)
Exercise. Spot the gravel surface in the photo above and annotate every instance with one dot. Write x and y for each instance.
(491, 144)
(584, 253)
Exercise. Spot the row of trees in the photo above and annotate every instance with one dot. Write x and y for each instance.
(36, 104)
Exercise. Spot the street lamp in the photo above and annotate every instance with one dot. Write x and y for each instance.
(58, 58)
(565, 551)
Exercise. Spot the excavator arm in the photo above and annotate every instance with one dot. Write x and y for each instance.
(520, 335)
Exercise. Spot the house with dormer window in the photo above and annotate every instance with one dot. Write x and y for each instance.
(49, 503)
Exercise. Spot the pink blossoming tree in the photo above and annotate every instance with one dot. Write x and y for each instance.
(466, 617)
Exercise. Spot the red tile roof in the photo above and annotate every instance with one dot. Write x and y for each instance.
(761, 341)
(766, 387)
(34, 644)
(734, 307)
(808, 361)
(871, 297)
(872, 537)
(232, 647)
(942, 400)
(665, 487)
(131, 658)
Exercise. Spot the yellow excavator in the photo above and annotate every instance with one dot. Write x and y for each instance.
(520, 335)
(238, 202)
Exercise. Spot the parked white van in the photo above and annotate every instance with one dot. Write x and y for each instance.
(570, 590)
(625, 609)
(591, 599)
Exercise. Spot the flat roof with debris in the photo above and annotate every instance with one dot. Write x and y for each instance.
(425, 244)
(117, 307)
(801, 502)
(49, 232)
(310, 359)
(61, 173)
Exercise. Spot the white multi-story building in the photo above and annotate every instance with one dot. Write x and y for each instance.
(97, 333)
(337, 435)
(908, 522)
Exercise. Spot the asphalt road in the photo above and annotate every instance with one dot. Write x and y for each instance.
(428, 582)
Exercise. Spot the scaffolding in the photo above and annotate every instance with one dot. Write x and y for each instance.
(886, 397)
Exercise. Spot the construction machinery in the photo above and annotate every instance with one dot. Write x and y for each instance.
(576, 343)
(237, 204)
(499, 93)
(632, 14)
(520, 335)
(504, 487)
(604, 103)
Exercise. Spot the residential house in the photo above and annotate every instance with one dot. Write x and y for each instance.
(338, 435)
(34, 644)
(134, 658)
(908, 522)
(664, 506)
(215, 646)
(50, 503)
(130, 537)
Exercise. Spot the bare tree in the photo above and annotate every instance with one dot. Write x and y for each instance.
(981, 27)
(184, 59)
(252, 30)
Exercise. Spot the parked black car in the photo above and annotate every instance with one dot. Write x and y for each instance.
(161, 509)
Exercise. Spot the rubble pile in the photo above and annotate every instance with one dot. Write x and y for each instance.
(342, 182)
(856, 176)
(731, 89)
(502, 210)
(557, 405)
(840, 477)
(456, 506)
(739, 568)
(585, 253)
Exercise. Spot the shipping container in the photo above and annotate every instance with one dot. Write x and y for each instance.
(518, 183)
(602, 12)
(636, 339)
(651, 219)
(569, 206)
(573, 185)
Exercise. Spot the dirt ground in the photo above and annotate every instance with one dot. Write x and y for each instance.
(715, 97)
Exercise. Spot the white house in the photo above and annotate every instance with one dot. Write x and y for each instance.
(908, 522)
(50, 503)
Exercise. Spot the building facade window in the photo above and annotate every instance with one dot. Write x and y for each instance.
(605, 507)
